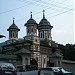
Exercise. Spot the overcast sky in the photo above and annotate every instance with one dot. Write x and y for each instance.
(60, 14)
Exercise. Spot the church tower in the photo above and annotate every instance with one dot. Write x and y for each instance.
(31, 28)
(13, 31)
(44, 29)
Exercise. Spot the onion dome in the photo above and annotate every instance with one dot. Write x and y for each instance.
(13, 26)
(31, 21)
(44, 23)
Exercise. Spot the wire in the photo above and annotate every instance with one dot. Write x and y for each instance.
(47, 9)
(43, 2)
(34, 4)
(28, 4)
(15, 8)
(62, 12)
(61, 3)
(51, 4)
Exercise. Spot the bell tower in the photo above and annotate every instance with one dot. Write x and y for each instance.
(44, 29)
(13, 31)
(31, 26)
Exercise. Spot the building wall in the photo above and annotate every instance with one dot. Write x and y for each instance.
(25, 59)
(45, 52)
(17, 62)
(43, 60)
(56, 62)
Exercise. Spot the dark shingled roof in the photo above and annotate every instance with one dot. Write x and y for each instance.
(48, 43)
(23, 51)
(55, 54)
(1, 45)
(19, 41)
(31, 21)
(45, 43)
(6, 56)
(44, 23)
(13, 26)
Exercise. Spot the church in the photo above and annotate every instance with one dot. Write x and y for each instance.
(37, 44)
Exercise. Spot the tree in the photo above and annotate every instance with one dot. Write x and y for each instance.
(68, 51)
(33, 62)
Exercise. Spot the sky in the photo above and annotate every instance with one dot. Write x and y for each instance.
(60, 14)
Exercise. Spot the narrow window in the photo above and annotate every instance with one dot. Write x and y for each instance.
(59, 63)
(28, 30)
(41, 34)
(26, 61)
(32, 29)
(44, 60)
(13, 34)
(16, 34)
(10, 34)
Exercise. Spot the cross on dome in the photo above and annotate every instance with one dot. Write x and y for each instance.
(13, 20)
(31, 14)
(43, 14)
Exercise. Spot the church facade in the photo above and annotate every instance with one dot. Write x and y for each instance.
(32, 46)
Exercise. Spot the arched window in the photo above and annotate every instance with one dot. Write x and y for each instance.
(10, 34)
(44, 60)
(13, 34)
(16, 34)
(28, 31)
(32, 29)
(41, 34)
(26, 61)
(35, 30)
(59, 63)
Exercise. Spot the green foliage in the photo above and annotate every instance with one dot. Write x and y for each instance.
(68, 51)
(33, 62)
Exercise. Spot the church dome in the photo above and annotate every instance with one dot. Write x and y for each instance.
(31, 21)
(44, 23)
(13, 26)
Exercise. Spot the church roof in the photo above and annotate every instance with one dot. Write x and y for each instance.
(6, 56)
(1, 45)
(23, 51)
(31, 21)
(13, 26)
(19, 41)
(45, 43)
(55, 54)
(44, 22)
(48, 43)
